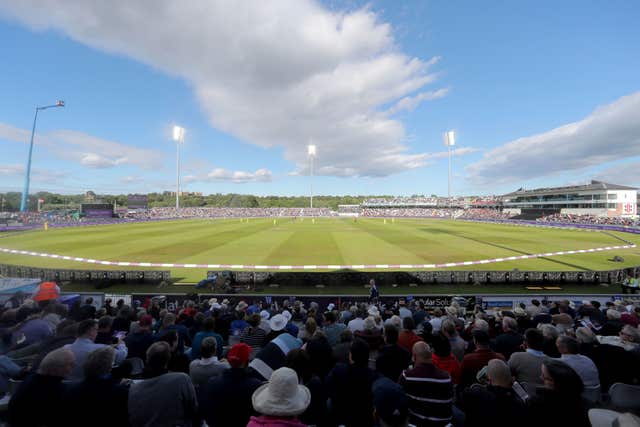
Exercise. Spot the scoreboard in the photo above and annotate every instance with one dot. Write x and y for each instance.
(96, 210)
(137, 201)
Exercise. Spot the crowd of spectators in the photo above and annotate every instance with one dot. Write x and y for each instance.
(411, 212)
(204, 212)
(589, 219)
(484, 213)
(248, 363)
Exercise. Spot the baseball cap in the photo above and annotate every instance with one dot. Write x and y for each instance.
(239, 355)
(390, 401)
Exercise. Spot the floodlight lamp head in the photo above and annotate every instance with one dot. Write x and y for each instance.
(311, 150)
(59, 103)
(449, 138)
(178, 133)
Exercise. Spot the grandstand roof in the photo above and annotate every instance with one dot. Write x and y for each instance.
(593, 185)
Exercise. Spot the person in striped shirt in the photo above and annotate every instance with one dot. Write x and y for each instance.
(429, 389)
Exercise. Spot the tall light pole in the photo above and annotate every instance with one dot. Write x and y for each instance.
(449, 139)
(178, 137)
(27, 176)
(311, 151)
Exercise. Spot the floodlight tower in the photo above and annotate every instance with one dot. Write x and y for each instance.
(449, 139)
(311, 152)
(178, 137)
(27, 176)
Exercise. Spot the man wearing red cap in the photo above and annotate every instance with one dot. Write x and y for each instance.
(226, 400)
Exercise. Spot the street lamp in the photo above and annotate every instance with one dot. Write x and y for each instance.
(311, 152)
(25, 192)
(449, 139)
(178, 137)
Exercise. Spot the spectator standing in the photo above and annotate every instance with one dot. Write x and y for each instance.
(104, 336)
(429, 389)
(458, 345)
(166, 399)
(331, 329)
(225, 400)
(444, 359)
(253, 335)
(357, 324)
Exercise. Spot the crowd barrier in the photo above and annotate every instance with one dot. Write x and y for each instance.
(71, 275)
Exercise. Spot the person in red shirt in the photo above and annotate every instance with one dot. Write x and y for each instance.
(408, 337)
(473, 362)
(444, 359)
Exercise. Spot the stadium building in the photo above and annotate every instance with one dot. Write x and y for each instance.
(595, 198)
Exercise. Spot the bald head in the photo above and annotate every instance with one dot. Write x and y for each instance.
(58, 363)
(421, 352)
(499, 374)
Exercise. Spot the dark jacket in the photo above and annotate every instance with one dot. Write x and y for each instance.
(38, 402)
(349, 389)
(138, 343)
(226, 400)
(492, 405)
(507, 344)
(552, 409)
(392, 360)
(93, 396)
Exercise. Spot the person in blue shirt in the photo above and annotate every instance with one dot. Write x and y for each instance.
(208, 327)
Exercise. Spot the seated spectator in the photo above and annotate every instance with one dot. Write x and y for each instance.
(631, 318)
(495, 404)
(613, 325)
(225, 400)
(320, 353)
(280, 401)
(253, 335)
(169, 324)
(436, 320)
(390, 404)
(550, 335)
(408, 337)
(200, 370)
(392, 359)
(38, 401)
(208, 327)
(349, 388)
(178, 362)
(264, 321)
(357, 323)
(331, 329)
(510, 341)
(104, 335)
(584, 367)
(458, 345)
(122, 322)
(341, 350)
(309, 329)
(316, 413)
(478, 359)
(558, 403)
(273, 355)
(429, 389)
(371, 334)
(139, 341)
(98, 391)
(525, 366)
(165, 398)
(444, 359)
(34, 329)
(83, 345)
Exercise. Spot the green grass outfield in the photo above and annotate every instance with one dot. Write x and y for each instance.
(327, 241)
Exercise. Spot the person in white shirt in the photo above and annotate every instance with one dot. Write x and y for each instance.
(200, 370)
(584, 367)
(357, 324)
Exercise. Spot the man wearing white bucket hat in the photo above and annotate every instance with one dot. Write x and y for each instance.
(280, 400)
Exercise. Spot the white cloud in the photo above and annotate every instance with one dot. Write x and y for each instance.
(88, 150)
(624, 174)
(220, 174)
(609, 133)
(272, 73)
(37, 174)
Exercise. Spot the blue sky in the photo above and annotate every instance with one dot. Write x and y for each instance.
(539, 93)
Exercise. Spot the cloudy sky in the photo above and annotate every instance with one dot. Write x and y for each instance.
(543, 93)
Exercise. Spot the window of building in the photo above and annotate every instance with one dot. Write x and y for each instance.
(611, 196)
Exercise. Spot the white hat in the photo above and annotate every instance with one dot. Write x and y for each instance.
(215, 306)
(451, 311)
(213, 301)
(265, 314)
(287, 315)
(225, 301)
(282, 395)
(331, 306)
(373, 311)
(242, 306)
(277, 322)
(519, 311)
